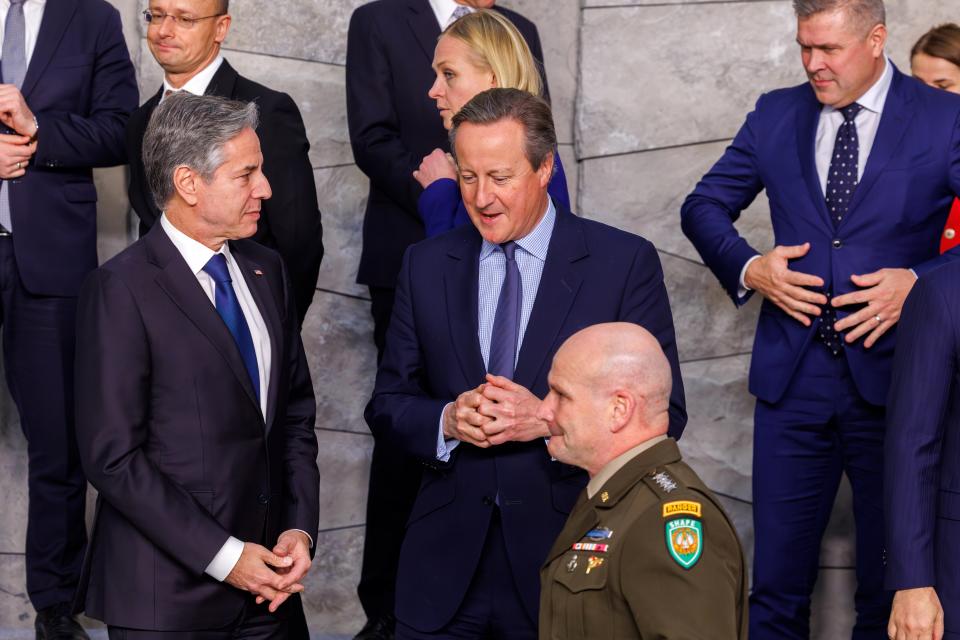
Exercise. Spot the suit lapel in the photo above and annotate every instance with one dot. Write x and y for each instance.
(461, 284)
(558, 288)
(260, 289)
(808, 117)
(181, 285)
(894, 122)
(424, 24)
(56, 17)
(223, 81)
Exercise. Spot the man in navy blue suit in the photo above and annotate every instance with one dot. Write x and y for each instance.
(860, 166)
(922, 473)
(393, 125)
(479, 313)
(68, 89)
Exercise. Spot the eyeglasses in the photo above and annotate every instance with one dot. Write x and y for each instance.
(155, 17)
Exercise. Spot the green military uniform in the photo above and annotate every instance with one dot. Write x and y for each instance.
(650, 555)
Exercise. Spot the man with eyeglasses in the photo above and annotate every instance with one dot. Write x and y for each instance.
(185, 37)
(66, 92)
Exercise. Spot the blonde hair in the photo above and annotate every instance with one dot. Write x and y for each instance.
(497, 45)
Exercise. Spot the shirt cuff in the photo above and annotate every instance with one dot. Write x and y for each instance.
(744, 289)
(225, 560)
(445, 447)
(309, 537)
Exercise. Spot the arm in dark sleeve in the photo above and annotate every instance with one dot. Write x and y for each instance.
(401, 411)
(953, 172)
(94, 138)
(374, 126)
(558, 184)
(291, 212)
(438, 206)
(645, 303)
(924, 368)
(708, 213)
(113, 380)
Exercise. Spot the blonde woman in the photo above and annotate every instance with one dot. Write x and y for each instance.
(480, 51)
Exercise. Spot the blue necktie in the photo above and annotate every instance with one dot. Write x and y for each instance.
(229, 309)
(506, 322)
(14, 65)
(842, 181)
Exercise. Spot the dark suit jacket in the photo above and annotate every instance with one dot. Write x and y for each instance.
(172, 436)
(593, 273)
(393, 123)
(290, 219)
(895, 218)
(81, 87)
(922, 457)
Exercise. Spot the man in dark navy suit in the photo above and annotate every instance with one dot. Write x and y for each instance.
(393, 125)
(479, 313)
(68, 87)
(860, 166)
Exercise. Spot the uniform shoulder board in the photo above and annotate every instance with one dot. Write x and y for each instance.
(663, 483)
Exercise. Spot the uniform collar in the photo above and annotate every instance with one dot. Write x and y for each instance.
(646, 462)
(610, 469)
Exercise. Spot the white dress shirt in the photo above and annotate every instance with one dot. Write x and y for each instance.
(196, 256)
(867, 121)
(444, 9)
(32, 16)
(197, 85)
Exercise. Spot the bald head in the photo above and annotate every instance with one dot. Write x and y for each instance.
(609, 391)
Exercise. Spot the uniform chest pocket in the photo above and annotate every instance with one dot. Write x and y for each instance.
(578, 599)
(580, 572)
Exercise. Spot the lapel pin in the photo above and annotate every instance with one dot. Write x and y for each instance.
(257, 272)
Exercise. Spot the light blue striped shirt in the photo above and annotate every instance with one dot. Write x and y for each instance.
(531, 255)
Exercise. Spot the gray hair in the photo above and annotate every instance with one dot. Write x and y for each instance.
(532, 112)
(863, 14)
(189, 130)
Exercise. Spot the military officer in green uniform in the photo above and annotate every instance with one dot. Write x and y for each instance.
(647, 551)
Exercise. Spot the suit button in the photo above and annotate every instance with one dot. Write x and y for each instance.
(837, 244)
(487, 500)
(263, 499)
(949, 234)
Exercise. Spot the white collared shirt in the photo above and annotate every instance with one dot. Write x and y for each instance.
(443, 10)
(32, 16)
(197, 85)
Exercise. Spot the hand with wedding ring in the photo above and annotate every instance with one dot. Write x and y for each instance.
(15, 154)
(883, 293)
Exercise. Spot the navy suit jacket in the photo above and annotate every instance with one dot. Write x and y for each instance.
(171, 434)
(393, 123)
(895, 218)
(593, 273)
(81, 86)
(922, 456)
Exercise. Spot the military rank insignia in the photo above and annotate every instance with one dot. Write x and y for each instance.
(685, 541)
(593, 562)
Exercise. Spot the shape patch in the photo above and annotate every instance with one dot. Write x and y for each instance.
(685, 541)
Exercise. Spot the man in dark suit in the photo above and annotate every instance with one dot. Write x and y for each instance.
(67, 90)
(921, 480)
(393, 125)
(860, 166)
(195, 409)
(479, 313)
(185, 39)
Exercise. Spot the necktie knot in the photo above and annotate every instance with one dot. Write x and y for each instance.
(216, 268)
(509, 250)
(458, 13)
(850, 112)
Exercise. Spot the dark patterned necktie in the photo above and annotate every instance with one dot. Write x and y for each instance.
(841, 185)
(458, 13)
(506, 322)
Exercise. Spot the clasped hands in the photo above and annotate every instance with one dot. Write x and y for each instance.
(273, 575)
(435, 166)
(882, 293)
(497, 411)
(16, 150)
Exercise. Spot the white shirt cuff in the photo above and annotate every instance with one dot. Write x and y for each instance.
(225, 560)
(309, 537)
(445, 447)
(742, 291)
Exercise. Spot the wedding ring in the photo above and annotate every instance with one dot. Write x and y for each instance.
(878, 318)
(18, 165)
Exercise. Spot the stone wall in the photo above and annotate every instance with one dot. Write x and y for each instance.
(646, 94)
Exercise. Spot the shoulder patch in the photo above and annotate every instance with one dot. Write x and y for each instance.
(665, 481)
(682, 507)
(684, 537)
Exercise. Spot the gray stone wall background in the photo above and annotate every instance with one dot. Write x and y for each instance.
(646, 95)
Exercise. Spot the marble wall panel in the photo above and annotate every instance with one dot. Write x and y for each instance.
(643, 192)
(15, 609)
(832, 615)
(694, 79)
(342, 196)
(337, 338)
(571, 169)
(330, 598)
(907, 20)
(344, 463)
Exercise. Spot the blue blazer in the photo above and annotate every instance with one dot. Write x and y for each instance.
(593, 273)
(81, 86)
(441, 205)
(922, 457)
(895, 219)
